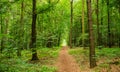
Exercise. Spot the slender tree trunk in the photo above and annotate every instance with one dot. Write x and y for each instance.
(6, 26)
(119, 30)
(71, 23)
(33, 34)
(109, 32)
(83, 28)
(21, 29)
(119, 40)
(101, 41)
(2, 45)
(91, 38)
(5, 39)
(98, 31)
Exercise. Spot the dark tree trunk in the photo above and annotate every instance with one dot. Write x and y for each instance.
(98, 31)
(119, 41)
(71, 23)
(101, 41)
(2, 45)
(91, 38)
(109, 32)
(33, 34)
(59, 37)
(119, 31)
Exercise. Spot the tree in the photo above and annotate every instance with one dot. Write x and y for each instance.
(71, 23)
(2, 45)
(101, 23)
(33, 32)
(91, 38)
(108, 20)
(98, 31)
(21, 29)
(83, 30)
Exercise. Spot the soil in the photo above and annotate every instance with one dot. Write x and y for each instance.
(66, 63)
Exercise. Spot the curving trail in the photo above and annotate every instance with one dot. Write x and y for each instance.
(66, 62)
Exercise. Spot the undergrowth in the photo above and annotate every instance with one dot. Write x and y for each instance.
(47, 57)
(108, 59)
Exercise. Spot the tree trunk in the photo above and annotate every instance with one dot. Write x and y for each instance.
(101, 41)
(98, 31)
(2, 45)
(119, 41)
(109, 32)
(119, 30)
(33, 33)
(71, 23)
(83, 28)
(21, 29)
(91, 38)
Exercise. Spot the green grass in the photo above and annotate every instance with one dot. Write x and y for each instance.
(21, 66)
(47, 58)
(108, 52)
(104, 57)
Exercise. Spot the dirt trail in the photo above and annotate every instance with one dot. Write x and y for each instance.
(66, 62)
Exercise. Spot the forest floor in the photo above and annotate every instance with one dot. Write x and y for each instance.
(107, 59)
(65, 62)
(61, 60)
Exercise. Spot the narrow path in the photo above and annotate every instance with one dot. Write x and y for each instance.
(66, 62)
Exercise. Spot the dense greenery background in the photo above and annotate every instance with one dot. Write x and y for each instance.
(53, 24)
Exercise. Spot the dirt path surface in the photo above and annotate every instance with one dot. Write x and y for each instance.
(66, 62)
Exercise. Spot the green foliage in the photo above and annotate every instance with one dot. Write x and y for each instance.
(77, 51)
(48, 52)
(48, 69)
(47, 57)
(53, 24)
(19, 65)
(108, 52)
(46, 6)
(105, 56)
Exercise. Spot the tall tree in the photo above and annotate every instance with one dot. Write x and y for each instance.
(83, 28)
(98, 31)
(21, 29)
(109, 31)
(91, 38)
(119, 29)
(2, 46)
(33, 32)
(101, 41)
(71, 23)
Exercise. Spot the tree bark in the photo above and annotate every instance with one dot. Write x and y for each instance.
(21, 29)
(71, 23)
(98, 31)
(83, 28)
(119, 30)
(2, 45)
(101, 41)
(109, 32)
(33, 33)
(91, 38)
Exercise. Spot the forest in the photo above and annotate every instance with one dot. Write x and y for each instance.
(59, 35)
